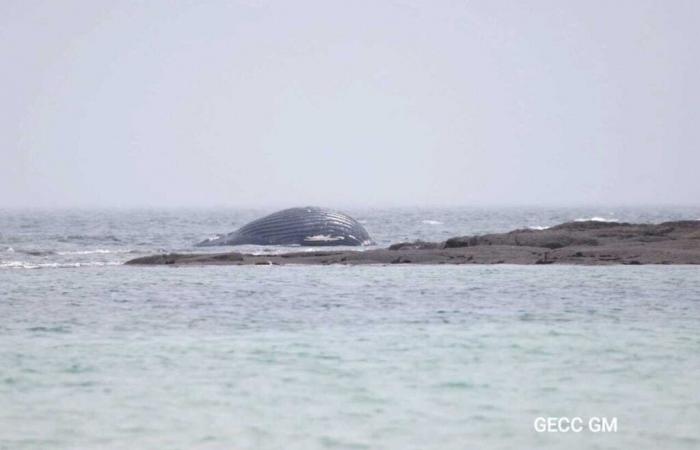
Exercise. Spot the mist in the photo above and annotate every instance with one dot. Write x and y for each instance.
(393, 103)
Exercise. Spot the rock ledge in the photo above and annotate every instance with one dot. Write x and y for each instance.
(585, 243)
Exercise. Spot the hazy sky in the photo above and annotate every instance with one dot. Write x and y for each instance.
(254, 103)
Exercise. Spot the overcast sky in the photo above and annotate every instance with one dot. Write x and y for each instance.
(377, 103)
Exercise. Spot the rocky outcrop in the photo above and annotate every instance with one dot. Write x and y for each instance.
(416, 245)
(523, 238)
(587, 242)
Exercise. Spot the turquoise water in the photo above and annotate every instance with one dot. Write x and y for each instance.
(99, 355)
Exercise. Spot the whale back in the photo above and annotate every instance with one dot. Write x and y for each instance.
(308, 226)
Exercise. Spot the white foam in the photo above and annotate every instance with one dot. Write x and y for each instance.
(432, 222)
(537, 227)
(27, 265)
(595, 219)
(98, 251)
(323, 238)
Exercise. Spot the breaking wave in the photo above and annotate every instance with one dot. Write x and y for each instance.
(595, 219)
(28, 265)
(85, 237)
(99, 251)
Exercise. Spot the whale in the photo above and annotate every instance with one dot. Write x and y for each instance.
(305, 226)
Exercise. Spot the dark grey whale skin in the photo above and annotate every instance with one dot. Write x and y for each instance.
(307, 226)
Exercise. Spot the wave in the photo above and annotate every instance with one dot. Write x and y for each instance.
(580, 219)
(86, 237)
(595, 219)
(98, 251)
(28, 265)
(432, 222)
(37, 252)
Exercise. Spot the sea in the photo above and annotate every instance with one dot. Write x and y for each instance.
(98, 355)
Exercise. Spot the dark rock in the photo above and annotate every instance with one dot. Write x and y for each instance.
(525, 238)
(415, 245)
(587, 225)
(686, 224)
(228, 257)
(157, 259)
(569, 243)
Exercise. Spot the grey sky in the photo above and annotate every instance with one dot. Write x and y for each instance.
(374, 103)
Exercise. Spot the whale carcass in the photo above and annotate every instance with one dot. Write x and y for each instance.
(308, 226)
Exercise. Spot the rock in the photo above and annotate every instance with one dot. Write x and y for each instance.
(587, 225)
(415, 245)
(588, 242)
(527, 238)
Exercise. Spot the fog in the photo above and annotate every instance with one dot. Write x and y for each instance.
(377, 103)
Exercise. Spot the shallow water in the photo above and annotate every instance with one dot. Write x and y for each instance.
(412, 357)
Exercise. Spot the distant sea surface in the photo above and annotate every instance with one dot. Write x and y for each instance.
(97, 355)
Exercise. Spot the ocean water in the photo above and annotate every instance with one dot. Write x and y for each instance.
(97, 355)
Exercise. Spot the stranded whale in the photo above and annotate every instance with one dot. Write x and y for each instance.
(309, 226)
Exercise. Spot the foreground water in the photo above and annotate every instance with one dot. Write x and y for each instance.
(98, 355)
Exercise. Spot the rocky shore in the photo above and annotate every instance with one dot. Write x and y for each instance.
(586, 243)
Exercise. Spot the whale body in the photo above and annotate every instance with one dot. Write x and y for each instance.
(308, 226)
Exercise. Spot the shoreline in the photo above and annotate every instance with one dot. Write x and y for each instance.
(571, 243)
